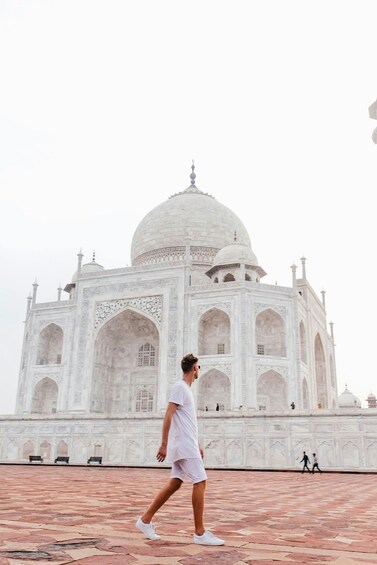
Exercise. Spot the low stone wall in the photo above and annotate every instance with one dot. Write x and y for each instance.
(342, 441)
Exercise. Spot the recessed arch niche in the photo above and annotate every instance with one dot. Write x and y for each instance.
(272, 392)
(45, 397)
(214, 333)
(270, 334)
(118, 375)
(50, 345)
(213, 389)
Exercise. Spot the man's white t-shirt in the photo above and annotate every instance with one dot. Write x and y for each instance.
(183, 433)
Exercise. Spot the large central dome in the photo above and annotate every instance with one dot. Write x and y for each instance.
(193, 217)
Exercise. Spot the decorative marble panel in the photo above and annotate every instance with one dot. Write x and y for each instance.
(278, 453)
(370, 427)
(326, 453)
(150, 450)
(214, 452)
(255, 453)
(260, 307)
(114, 451)
(300, 427)
(254, 427)
(351, 455)
(225, 306)
(151, 305)
(47, 428)
(225, 368)
(282, 370)
(133, 452)
(63, 429)
(56, 377)
(371, 453)
(349, 427)
(324, 428)
(234, 453)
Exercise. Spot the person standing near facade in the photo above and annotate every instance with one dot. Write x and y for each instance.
(305, 459)
(180, 445)
(315, 463)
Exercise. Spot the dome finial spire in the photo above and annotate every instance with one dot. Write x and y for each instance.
(193, 175)
(94, 255)
(235, 235)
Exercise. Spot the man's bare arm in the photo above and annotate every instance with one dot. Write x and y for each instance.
(161, 454)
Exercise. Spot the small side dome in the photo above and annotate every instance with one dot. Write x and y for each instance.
(91, 267)
(235, 253)
(372, 400)
(348, 400)
(88, 268)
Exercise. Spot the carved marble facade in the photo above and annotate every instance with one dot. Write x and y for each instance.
(97, 369)
(342, 441)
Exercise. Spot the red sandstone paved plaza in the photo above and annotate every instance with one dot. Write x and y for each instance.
(86, 515)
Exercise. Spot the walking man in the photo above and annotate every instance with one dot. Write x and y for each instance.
(305, 459)
(315, 463)
(180, 445)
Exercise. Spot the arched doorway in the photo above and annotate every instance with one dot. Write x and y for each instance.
(213, 389)
(125, 371)
(50, 345)
(272, 392)
(270, 334)
(45, 397)
(214, 333)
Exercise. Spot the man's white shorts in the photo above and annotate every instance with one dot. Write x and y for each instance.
(193, 468)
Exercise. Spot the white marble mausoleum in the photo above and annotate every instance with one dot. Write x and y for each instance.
(97, 368)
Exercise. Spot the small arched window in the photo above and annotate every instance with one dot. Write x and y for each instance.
(144, 401)
(146, 356)
(229, 278)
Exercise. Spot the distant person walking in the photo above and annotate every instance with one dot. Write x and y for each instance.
(180, 444)
(315, 463)
(305, 459)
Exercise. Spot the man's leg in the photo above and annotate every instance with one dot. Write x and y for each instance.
(165, 493)
(198, 490)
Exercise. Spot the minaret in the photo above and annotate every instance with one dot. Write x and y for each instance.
(28, 304)
(35, 288)
(323, 292)
(294, 268)
(303, 263)
(332, 330)
(59, 292)
(79, 262)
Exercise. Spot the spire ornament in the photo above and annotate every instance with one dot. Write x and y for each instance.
(193, 175)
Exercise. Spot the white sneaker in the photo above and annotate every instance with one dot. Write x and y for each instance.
(147, 529)
(208, 538)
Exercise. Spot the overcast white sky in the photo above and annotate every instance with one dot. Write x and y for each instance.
(103, 104)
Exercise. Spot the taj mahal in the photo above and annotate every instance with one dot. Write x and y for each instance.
(97, 367)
